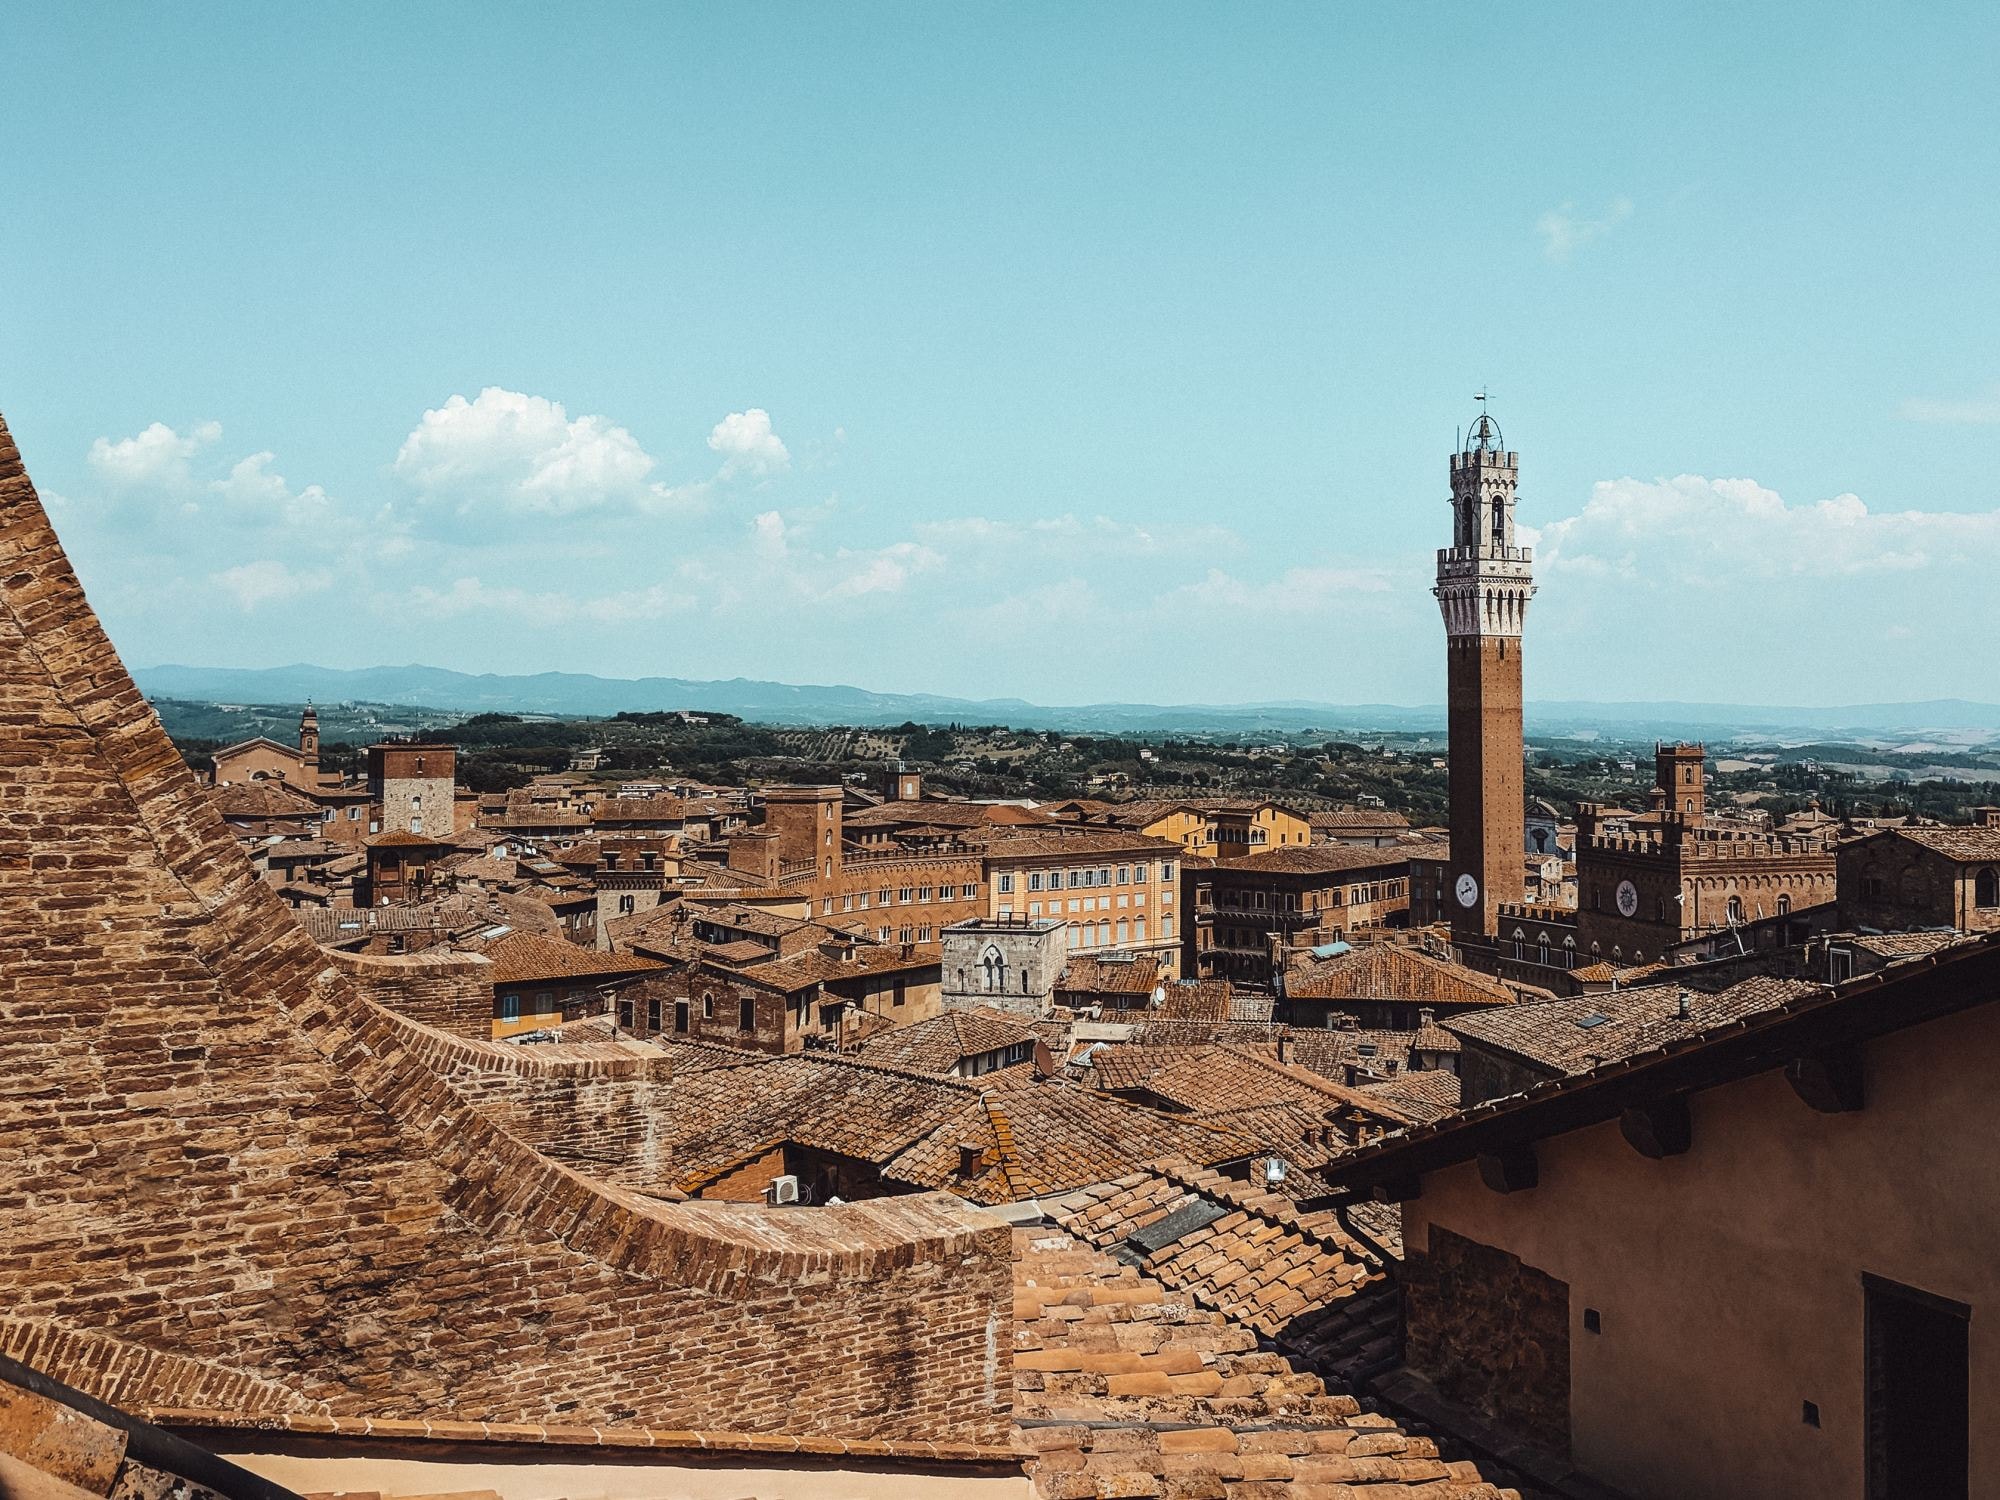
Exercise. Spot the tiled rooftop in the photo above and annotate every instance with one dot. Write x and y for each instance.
(1126, 1386)
(1576, 1033)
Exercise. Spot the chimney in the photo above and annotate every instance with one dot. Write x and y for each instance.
(1426, 1016)
(1681, 1006)
(969, 1157)
(1281, 1046)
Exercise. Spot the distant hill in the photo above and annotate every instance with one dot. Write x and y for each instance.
(787, 703)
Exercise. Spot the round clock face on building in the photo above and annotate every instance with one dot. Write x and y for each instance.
(1468, 890)
(1628, 899)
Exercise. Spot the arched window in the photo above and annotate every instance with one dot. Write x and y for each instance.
(1986, 888)
(1784, 904)
(1520, 939)
(993, 971)
(1542, 950)
(1735, 909)
(1569, 953)
(1688, 806)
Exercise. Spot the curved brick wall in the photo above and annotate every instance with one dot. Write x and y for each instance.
(212, 1146)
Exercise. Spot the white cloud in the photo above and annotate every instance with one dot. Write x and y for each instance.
(1564, 231)
(511, 452)
(254, 584)
(1719, 532)
(156, 458)
(783, 565)
(748, 446)
(1974, 411)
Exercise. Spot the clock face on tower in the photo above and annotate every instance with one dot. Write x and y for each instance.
(1468, 890)
(1628, 899)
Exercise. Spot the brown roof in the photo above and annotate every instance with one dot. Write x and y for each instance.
(1056, 846)
(520, 958)
(1092, 973)
(814, 967)
(1426, 1094)
(289, 1212)
(1209, 1077)
(1967, 844)
(940, 1044)
(262, 799)
(1321, 859)
(1576, 1033)
(1341, 819)
(1254, 1262)
(1899, 945)
(1051, 1138)
(1392, 971)
(1123, 1377)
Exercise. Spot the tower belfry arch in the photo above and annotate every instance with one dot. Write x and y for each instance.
(1485, 579)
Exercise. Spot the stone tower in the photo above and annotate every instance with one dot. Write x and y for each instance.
(1680, 772)
(1484, 584)
(309, 746)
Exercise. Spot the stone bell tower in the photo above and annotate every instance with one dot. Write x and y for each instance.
(1483, 587)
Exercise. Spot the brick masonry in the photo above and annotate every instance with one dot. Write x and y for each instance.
(1492, 1333)
(214, 1147)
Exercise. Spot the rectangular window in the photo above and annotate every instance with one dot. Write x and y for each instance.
(1104, 876)
(1139, 873)
(1139, 928)
(847, 903)
(826, 907)
(1124, 874)
(883, 898)
(1034, 880)
(903, 895)
(1167, 927)
(968, 892)
(625, 1009)
(625, 904)
(881, 934)
(923, 934)
(923, 893)
(1166, 869)
(1917, 1416)
(1124, 933)
(1074, 903)
(903, 935)
(1034, 908)
(510, 1007)
(1005, 885)
(861, 901)
(746, 1014)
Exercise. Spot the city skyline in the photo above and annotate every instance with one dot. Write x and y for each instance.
(1078, 383)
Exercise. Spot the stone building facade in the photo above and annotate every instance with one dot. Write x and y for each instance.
(413, 787)
(1004, 963)
(1905, 878)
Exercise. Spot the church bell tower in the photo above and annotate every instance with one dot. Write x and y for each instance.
(1484, 583)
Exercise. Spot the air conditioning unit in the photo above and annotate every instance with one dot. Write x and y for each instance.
(782, 1190)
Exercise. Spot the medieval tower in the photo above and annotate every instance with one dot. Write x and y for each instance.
(1484, 584)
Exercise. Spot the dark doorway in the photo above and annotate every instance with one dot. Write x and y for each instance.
(1918, 1394)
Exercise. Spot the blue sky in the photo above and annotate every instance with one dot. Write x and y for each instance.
(1079, 353)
